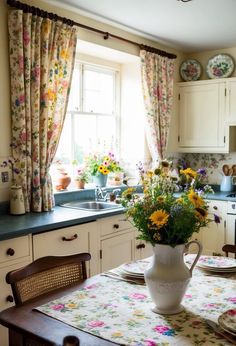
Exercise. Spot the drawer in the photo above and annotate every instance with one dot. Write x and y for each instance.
(114, 224)
(5, 288)
(15, 249)
(217, 207)
(63, 242)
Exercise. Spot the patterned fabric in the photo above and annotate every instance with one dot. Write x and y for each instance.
(157, 81)
(121, 312)
(42, 55)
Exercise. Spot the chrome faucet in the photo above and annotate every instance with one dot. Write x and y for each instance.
(99, 194)
(117, 192)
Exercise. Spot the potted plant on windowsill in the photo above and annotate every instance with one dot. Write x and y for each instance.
(100, 165)
(82, 177)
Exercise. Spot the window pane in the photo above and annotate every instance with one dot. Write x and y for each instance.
(85, 135)
(74, 97)
(65, 145)
(107, 131)
(98, 92)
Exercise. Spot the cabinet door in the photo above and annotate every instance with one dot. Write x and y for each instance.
(142, 248)
(117, 250)
(201, 115)
(231, 102)
(213, 236)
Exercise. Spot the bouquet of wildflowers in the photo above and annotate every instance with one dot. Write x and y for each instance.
(99, 163)
(82, 174)
(164, 215)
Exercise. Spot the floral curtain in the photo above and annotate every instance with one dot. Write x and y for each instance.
(157, 81)
(42, 53)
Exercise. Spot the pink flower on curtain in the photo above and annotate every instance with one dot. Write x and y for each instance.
(26, 38)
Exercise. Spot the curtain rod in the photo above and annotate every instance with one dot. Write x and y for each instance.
(106, 35)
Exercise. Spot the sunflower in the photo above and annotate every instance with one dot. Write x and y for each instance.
(201, 213)
(101, 168)
(195, 199)
(161, 199)
(159, 218)
(189, 173)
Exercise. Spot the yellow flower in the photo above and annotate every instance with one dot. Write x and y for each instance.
(101, 168)
(150, 174)
(195, 199)
(201, 213)
(157, 236)
(161, 199)
(189, 173)
(105, 171)
(159, 218)
(180, 200)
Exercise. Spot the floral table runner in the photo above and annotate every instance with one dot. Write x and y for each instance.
(121, 312)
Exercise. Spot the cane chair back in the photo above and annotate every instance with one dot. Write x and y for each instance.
(228, 248)
(47, 274)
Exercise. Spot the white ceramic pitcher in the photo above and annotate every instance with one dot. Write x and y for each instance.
(227, 183)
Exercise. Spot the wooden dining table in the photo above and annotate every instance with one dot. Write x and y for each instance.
(50, 330)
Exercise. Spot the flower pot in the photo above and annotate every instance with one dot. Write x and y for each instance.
(80, 184)
(168, 277)
(100, 180)
(17, 205)
(64, 180)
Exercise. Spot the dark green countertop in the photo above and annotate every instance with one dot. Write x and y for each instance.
(12, 226)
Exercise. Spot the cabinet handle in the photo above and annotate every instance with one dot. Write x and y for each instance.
(116, 226)
(10, 299)
(215, 207)
(140, 246)
(10, 252)
(75, 236)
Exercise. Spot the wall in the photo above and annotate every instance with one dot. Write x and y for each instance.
(83, 35)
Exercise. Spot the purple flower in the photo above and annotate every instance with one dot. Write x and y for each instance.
(216, 218)
(202, 171)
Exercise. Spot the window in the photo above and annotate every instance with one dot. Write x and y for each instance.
(92, 118)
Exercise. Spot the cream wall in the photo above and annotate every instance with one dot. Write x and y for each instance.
(83, 35)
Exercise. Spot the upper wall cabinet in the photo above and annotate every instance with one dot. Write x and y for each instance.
(203, 108)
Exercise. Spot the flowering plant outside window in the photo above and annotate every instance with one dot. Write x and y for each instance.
(164, 215)
(98, 163)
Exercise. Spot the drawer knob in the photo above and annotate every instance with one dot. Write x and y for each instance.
(116, 226)
(140, 246)
(75, 236)
(10, 299)
(10, 252)
(215, 207)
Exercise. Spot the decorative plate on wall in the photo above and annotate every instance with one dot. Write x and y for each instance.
(190, 70)
(220, 66)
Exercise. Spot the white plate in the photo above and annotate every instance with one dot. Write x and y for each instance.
(136, 268)
(228, 321)
(216, 262)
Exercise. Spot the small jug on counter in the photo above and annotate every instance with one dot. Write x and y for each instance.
(17, 205)
(227, 183)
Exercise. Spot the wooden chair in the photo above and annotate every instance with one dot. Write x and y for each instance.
(47, 274)
(40, 277)
(229, 248)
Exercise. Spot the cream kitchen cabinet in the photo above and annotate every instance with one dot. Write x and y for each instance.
(202, 117)
(231, 101)
(142, 248)
(15, 253)
(117, 242)
(69, 240)
(213, 236)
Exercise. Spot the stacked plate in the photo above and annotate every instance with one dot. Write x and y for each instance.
(217, 264)
(227, 321)
(134, 270)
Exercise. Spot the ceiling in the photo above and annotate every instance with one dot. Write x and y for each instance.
(192, 26)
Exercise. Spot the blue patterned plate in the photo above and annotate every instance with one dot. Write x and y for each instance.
(220, 66)
(190, 70)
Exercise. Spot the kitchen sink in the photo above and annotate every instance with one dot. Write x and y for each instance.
(92, 205)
